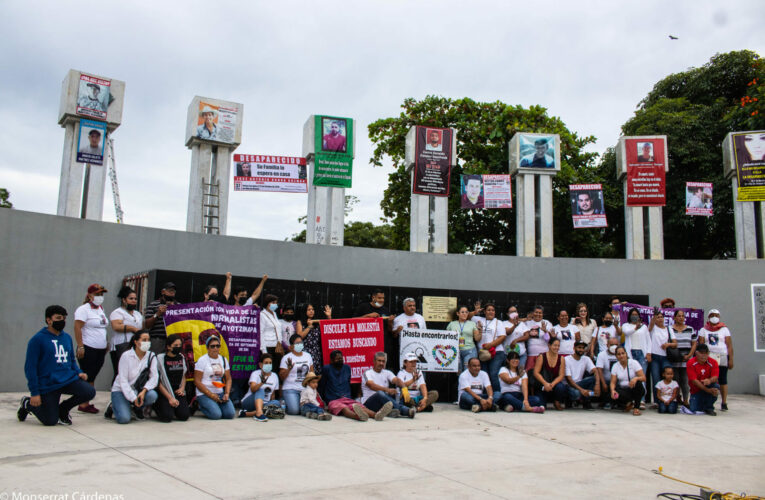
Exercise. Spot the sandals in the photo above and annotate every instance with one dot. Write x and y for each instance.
(636, 412)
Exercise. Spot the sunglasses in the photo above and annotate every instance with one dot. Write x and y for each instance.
(214, 346)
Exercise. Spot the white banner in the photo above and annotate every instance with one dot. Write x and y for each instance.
(280, 174)
(436, 350)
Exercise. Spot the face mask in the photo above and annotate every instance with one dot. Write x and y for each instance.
(267, 368)
(298, 347)
(273, 307)
(714, 320)
(212, 297)
(166, 298)
(130, 307)
(241, 300)
(612, 349)
(634, 320)
(378, 304)
(58, 325)
(608, 323)
(338, 364)
(288, 317)
(98, 300)
(145, 346)
(176, 351)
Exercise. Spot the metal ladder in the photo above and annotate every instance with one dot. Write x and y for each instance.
(113, 177)
(210, 207)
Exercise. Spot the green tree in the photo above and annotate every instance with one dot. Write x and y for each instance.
(484, 130)
(695, 109)
(4, 195)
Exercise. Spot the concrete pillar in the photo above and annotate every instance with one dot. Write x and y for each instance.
(546, 216)
(746, 225)
(201, 162)
(96, 190)
(633, 230)
(525, 216)
(656, 233)
(70, 183)
(419, 217)
(223, 175)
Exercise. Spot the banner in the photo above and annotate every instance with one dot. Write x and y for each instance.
(486, 191)
(238, 326)
(216, 123)
(439, 308)
(93, 97)
(333, 160)
(433, 160)
(359, 339)
(279, 174)
(436, 350)
(646, 181)
(536, 151)
(587, 205)
(91, 141)
(332, 171)
(749, 153)
(693, 317)
(698, 198)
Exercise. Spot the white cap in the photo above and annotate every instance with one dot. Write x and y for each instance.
(713, 311)
(410, 357)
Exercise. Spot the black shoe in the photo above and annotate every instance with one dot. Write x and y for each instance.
(242, 413)
(109, 412)
(724, 407)
(710, 412)
(138, 412)
(64, 419)
(587, 405)
(22, 413)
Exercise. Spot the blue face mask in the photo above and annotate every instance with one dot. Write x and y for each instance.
(273, 307)
(267, 368)
(298, 347)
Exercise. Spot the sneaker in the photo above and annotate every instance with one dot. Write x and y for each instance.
(87, 409)
(147, 411)
(22, 412)
(607, 406)
(394, 413)
(509, 409)
(587, 406)
(359, 411)
(384, 411)
(242, 413)
(261, 418)
(312, 415)
(64, 419)
(642, 406)
(724, 407)
(475, 408)
(138, 412)
(412, 412)
(432, 397)
(685, 410)
(711, 412)
(109, 412)
(324, 416)
(538, 409)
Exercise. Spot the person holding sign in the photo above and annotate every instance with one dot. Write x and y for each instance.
(377, 391)
(414, 392)
(475, 389)
(469, 335)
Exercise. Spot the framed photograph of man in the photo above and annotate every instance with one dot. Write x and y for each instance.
(93, 97)
(471, 190)
(587, 205)
(334, 135)
(643, 160)
(698, 198)
(90, 144)
(207, 123)
(537, 151)
(435, 139)
(644, 152)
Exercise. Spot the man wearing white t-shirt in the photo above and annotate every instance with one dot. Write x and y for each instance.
(475, 392)
(581, 386)
(603, 364)
(377, 391)
(409, 318)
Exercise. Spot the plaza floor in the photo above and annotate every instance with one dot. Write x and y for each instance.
(445, 454)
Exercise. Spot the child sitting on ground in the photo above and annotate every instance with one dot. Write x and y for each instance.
(666, 392)
(311, 405)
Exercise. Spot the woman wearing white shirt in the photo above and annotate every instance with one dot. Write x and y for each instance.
(627, 379)
(516, 333)
(637, 340)
(586, 324)
(292, 371)
(212, 378)
(124, 393)
(125, 321)
(90, 335)
(514, 384)
(604, 332)
(492, 336)
(271, 329)
(659, 342)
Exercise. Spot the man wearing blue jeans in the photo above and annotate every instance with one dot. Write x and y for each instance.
(376, 390)
(702, 377)
(579, 386)
(476, 393)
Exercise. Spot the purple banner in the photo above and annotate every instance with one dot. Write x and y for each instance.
(693, 317)
(239, 327)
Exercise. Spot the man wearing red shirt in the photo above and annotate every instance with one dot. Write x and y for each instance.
(702, 377)
(334, 141)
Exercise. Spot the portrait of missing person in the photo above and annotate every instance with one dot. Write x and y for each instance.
(435, 140)
(750, 147)
(473, 195)
(301, 171)
(208, 129)
(587, 204)
(645, 152)
(541, 157)
(93, 146)
(243, 170)
(91, 98)
(334, 136)
(698, 197)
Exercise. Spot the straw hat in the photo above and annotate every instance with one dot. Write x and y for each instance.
(309, 377)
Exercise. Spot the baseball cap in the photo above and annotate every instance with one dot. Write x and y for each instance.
(96, 288)
(410, 357)
(168, 286)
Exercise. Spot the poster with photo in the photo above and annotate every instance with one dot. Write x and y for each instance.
(216, 123)
(93, 97)
(333, 160)
(267, 173)
(485, 191)
(91, 141)
(587, 205)
(537, 151)
(646, 161)
(433, 160)
(749, 154)
(698, 198)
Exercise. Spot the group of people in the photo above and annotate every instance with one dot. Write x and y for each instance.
(519, 364)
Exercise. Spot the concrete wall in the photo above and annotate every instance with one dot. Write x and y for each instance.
(47, 259)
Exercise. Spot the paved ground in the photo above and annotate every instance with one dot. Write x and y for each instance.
(445, 454)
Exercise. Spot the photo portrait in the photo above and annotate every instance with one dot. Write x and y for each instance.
(207, 123)
(334, 135)
(537, 152)
(244, 169)
(472, 191)
(750, 147)
(645, 152)
(434, 138)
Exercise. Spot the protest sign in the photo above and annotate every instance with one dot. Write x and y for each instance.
(693, 317)
(359, 339)
(698, 198)
(90, 144)
(749, 154)
(216, 123)
(333, 144)
(587, 206)
(280, 174)
(485, 191)
(433, 161)
(646, 160)
(239, 327)
(93, 97)
(436, 350)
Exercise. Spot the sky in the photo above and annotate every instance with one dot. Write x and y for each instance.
(588, 62)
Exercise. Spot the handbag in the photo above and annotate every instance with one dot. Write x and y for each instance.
(143, 377)
(673, 353)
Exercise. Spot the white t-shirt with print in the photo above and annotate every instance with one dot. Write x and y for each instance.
(625, 374)
(537, 345)
(269, 387)
(212, 371)
(605, 361)
(517, 333)
(567, 336)
(301, 365)
(405, 377)
(94, 329)
(716, 342)
(515, 386)
(576, 369)
(604, 333)
(490, 330)
(409, 322)
(134, 319)
(382, 378)
(666, 390)
(477, 384)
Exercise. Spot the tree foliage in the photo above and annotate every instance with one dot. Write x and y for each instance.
(4, 195)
